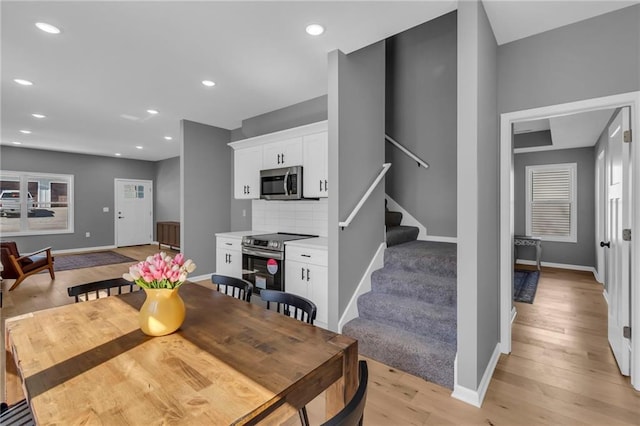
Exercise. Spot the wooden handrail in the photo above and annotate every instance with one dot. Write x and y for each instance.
(366, 195)
(406, 151)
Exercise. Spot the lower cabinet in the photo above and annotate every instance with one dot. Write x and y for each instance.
(229, 256)
(306, 275)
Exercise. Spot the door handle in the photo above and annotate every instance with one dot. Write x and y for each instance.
(607, 244)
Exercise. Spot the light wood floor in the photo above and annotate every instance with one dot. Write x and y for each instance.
(561, 370)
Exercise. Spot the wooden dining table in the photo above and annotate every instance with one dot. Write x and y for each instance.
(231, 362)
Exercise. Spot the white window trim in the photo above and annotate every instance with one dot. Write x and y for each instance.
(573, 168)
(23, 216)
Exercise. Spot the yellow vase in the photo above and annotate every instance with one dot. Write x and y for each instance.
(162, 312)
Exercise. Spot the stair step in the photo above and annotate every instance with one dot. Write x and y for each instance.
(415, 354)
(416, 285)
(430, 257)
(425, 319)
(392, 218)
(401, 234)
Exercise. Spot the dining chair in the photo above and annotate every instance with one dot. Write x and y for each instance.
(232, 286)
(353, 413)
(17, 414)
(296, 307)
(84, 292)
(291, 305)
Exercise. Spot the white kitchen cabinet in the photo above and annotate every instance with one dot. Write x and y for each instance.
(247, 163)
(306, 275)
(229, 256)
(284, 153)
(315, 149)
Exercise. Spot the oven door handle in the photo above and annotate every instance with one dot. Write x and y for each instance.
(262, 253)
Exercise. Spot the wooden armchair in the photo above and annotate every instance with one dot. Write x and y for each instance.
(20, 267)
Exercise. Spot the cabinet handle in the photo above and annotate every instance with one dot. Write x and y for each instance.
(305, 255)
(308, 274)
(320, 185)
(229, 244)
(248, 189)
(302, 269)
(283, 158)
(278, 158)
(325, 185)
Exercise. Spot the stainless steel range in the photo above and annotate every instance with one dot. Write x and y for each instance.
(263, 259)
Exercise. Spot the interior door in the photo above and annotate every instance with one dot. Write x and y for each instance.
(618, 250)
(601, 214)
(133, 212)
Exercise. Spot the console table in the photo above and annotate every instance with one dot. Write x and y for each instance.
(522, 240)
(168, 233)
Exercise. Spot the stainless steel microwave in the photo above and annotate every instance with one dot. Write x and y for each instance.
(281, 184)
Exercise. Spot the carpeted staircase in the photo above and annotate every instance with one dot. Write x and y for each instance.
(396, 233)
(408, 319)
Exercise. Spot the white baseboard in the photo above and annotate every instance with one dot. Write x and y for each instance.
(440, 239)
(364, 286)
(475, 397)
(606, 296)
(82, 250)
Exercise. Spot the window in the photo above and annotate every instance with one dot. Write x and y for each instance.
(551, 202)
(35, 203)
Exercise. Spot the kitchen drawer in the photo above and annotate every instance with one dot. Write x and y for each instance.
(229, 243)
(307, 255)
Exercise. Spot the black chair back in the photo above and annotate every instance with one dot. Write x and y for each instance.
(235, 287)
(101, 289)
(291, 305)
(353, 413)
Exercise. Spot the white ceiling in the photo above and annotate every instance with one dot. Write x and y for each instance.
(567, 131)
(115, 60)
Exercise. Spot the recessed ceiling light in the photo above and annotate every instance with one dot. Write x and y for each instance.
(16, 143)
(48, 28)
(38, 115)
(168, 138)
(152, 111)
(23, 82)
(138, 147)
(118, 154)
(208, 83)
(26, 132)
(314, 29)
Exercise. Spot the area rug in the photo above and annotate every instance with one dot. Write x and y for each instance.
(525, 284)
(89, 260)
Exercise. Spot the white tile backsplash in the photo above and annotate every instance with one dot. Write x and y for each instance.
(302, 217)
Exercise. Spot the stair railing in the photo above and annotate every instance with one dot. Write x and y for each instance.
(366, 195)
(406, 151)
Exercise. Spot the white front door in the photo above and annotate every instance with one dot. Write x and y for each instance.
(617, 270)
(133, 212)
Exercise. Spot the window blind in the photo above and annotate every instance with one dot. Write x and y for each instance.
(551, 200)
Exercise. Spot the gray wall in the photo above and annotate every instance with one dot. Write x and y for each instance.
(356, 154)
(167, 194)
(588, 59)
(421, 90)
(582, 252)
(206, 167)
(93, 189)
(306, 112)
(478, 195)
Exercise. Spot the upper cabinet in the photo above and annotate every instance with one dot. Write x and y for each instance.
(305, 145)
(284, 153)
(247, 163)
(315, 169)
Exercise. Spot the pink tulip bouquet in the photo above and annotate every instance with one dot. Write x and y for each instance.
(160, 271)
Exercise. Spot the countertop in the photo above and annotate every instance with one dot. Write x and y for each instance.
(239, 234)
(313, 243)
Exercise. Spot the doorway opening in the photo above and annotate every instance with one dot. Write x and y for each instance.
(507, 310)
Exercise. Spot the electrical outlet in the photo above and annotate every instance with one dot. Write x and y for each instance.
(105, 209)
(87, 234)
